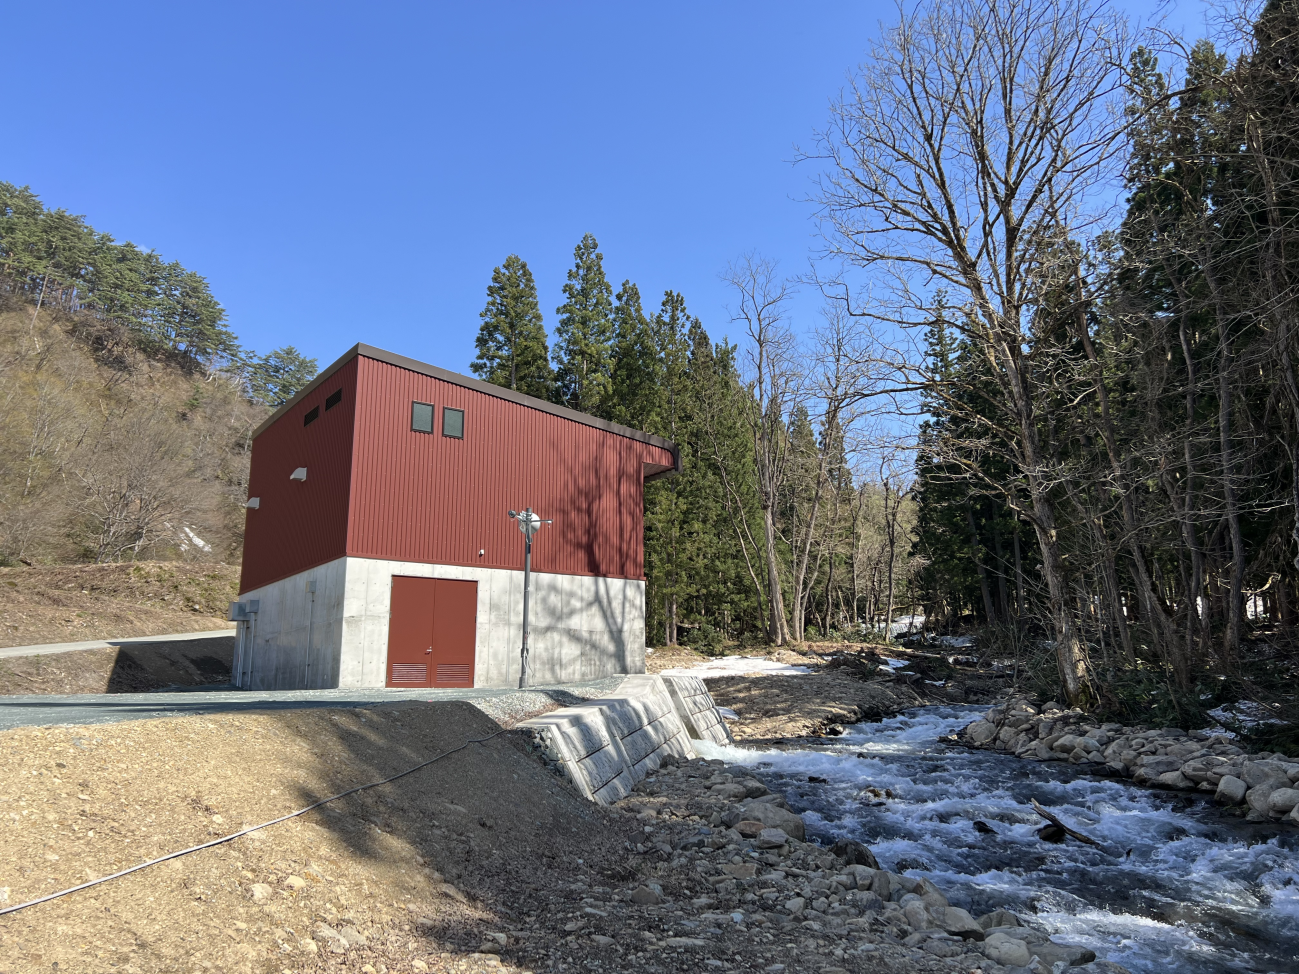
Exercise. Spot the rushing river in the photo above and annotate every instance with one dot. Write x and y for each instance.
(1175, 887)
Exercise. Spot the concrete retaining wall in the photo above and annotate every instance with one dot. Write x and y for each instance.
(606, 746)
(694, 705)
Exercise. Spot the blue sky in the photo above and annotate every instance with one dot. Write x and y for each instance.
(353, 172)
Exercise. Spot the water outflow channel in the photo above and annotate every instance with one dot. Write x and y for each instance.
(1196, 892)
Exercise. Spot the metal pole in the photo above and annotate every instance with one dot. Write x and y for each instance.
(527, 581)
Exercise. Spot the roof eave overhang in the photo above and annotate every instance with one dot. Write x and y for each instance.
(477, 385)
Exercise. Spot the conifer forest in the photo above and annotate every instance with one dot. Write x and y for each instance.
(1051, 400)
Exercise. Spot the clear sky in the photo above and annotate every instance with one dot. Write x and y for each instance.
(353, 172)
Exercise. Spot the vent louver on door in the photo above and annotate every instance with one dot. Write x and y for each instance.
(409, 673)
(454, 674)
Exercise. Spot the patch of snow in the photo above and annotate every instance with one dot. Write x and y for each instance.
(737, 666)
(895, 664)
(956, 642)
(1246, 713)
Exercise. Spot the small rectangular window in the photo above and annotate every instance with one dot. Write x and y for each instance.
(453, 422)
(310, 418)
(421, 417)
(334, 399)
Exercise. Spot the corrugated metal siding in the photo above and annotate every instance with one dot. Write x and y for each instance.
(429, 498)
(301, 524)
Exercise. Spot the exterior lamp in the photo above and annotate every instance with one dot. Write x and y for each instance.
(529, 524)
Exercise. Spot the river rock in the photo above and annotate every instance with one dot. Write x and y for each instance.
(957, 922)
(999, 918)
(918, 917)
(1231, 790)
(1006, 950)
(1257, 797)
(1064, 743)
(1282, 801)
(769, 815)
(772, 839)
(1257, 772)
(981, 732)
(1174, 779)
(644, 896)
(1052, 954)
(856, 854)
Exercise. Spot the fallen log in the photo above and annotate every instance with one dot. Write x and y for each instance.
(1063, 829)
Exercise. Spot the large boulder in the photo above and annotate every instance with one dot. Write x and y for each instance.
(770, 815)
(1231, 790)
(999, 918)
(855, 854)
(1002, 949)
(1282, 801)
(981, 732)
(1257, 797)
(1257, 772)
(957, 922)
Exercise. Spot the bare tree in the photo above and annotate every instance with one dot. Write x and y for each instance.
(773, 373)
(973, 131)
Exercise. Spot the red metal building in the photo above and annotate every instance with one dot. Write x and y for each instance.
(385, 467)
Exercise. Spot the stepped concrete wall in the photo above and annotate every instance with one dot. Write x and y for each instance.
(694, 705)
(606, 746)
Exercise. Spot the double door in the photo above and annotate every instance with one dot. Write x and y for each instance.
(431, 632)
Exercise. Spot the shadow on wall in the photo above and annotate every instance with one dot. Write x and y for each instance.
(490, 820)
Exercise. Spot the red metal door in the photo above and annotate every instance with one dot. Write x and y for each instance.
(432, 629)
(455, 617)
(410, 632)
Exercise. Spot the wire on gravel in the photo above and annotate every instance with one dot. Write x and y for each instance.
(254, 828)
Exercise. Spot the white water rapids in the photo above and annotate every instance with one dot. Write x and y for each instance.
(1197, 892)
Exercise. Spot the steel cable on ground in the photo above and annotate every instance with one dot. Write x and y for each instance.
(234, 835)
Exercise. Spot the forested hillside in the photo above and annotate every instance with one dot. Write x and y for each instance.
(126, 403)
(1088, 295)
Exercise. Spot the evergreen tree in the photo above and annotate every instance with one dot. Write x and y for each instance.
(637, 372)
(584, 336)
(275, 378)
(511, 341)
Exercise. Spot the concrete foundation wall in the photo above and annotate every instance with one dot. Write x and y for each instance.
(582, 627)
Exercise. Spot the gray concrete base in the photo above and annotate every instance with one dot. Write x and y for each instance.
(606, 746)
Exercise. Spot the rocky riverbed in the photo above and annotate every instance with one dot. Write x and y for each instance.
(727, 871)
(1262, 787)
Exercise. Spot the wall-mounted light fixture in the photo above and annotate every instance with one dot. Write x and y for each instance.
(299, 474)
(253, 503)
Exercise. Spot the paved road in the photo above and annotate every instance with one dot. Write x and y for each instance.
(108, 708)
(44, 649)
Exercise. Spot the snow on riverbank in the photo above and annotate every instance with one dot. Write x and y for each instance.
(738, 666)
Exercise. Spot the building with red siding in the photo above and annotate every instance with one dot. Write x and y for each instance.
(378, 550)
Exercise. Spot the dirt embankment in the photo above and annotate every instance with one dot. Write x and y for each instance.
(72, 603)
(478, 850)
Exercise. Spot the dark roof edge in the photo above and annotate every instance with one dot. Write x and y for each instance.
(477, 385)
